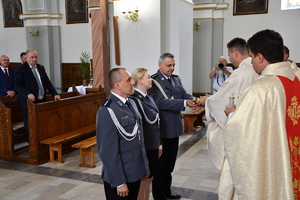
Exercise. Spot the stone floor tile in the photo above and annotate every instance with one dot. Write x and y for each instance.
(179, 178)
(209, 183)
(184, 172)
(194, 176)
(9, 197)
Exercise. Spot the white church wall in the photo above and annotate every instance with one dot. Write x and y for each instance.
(139, 40)
(286, 22)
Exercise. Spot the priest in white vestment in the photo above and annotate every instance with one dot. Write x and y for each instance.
(239, 80)
(257, 137)
(295, 68)
(286, 55)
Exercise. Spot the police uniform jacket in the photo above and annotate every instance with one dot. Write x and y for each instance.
(151, 131)
(170, 108)
(123, 161)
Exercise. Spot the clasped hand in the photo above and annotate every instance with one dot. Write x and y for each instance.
(201, 100)
(191, 104)
(230, 110)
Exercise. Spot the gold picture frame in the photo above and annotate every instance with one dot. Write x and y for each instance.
(246, 7)
(11, 11)
(76, 11)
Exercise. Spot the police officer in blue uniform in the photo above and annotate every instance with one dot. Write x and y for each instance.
(150, 115)
(120, 140)
(171, 98)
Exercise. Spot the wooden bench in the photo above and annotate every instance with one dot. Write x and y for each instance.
(11, 124)
(55, 143)
(94, 90)
(12, 127)
(74, 115)
(49, 119)
(86, 149)
(193, 118)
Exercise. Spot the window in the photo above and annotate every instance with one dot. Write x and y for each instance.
(290, 4)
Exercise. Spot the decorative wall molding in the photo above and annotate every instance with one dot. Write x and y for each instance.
(41, 19)
(209, 10)
(189, 2)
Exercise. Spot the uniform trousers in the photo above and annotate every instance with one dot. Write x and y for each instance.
(161, 186)
(111, 193)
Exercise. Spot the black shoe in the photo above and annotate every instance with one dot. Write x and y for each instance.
(173, 196)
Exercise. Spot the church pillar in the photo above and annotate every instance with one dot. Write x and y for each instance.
(208, 42)
(100, 43)
(176, 31)
(43, 34)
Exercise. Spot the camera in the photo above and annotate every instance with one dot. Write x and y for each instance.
(221, 65)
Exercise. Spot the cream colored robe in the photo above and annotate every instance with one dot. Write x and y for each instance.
(257, 160)
(239, 80)
(296, 69)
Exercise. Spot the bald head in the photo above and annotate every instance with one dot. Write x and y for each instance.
(4, 61)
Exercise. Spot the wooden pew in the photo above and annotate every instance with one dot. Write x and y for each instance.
(67, 121)
(55, 143)
(86, 149)
(193, 118)
(94, 90)
(11, 122)
(46, 120)
(11, 125)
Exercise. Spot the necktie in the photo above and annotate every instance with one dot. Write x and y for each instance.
(169, 79)
(147, 97)
(6, 74)
(41, 89)
(129, 106)
(127, 103)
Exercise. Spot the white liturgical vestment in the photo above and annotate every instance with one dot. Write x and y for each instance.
(257, 164)
(239, 80)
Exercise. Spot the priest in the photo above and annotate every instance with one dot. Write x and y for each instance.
(261, 136)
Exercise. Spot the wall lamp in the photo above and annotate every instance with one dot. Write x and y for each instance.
(35, 32)
(130, 9)
(131, 15)
(196, 26)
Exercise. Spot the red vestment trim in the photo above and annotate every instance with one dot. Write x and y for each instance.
(292, 93)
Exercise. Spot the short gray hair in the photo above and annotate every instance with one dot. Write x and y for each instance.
(164, 56)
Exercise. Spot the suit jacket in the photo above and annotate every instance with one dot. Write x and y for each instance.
(26, 83)
(169, 109)
(151, 131)
(124, 161)
(5, 84)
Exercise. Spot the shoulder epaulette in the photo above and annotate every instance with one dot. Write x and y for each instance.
(153, 75)
(107, 103)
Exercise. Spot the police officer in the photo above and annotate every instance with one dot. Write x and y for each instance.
(120, 140)
(171, 98)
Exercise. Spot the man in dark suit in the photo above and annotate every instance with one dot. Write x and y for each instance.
(7, 78)
(171, 98)
(32, 82)
(120, 140)
(23, 57)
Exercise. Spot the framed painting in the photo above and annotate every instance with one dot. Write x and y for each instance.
(246, 7)
(11, 11)
(76, 11)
